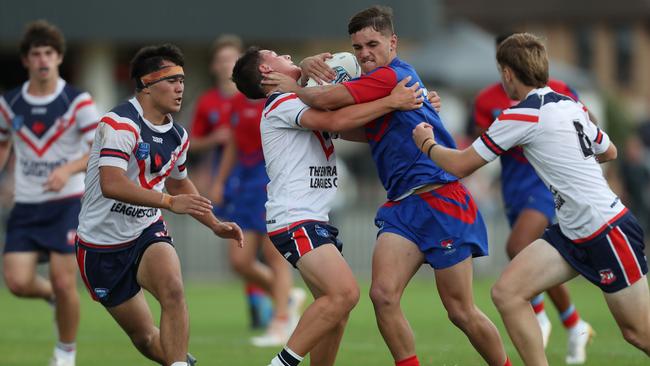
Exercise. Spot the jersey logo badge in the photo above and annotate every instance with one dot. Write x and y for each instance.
(213, 117)
(143, 151)
(321, 231)
(17, 122)
(38, 127)
(447, 243)
(101, 292)
(607, 277)
(157, 161)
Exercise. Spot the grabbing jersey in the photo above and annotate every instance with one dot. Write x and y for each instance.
(560, 142)
(149, 154)
(519, 182)
(402, 167)
(301, 164)
(48, 131)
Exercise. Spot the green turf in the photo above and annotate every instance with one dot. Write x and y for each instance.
(219, 334)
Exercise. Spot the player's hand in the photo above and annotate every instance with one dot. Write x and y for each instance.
(220, 136)
(229, 230)
(421, 133)
(216, 194)
(192, 204)
(57, 179)
(406, 98)
(314, 67)
(280, 82)
(435, 100)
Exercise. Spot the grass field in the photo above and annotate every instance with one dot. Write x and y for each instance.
(219, 334)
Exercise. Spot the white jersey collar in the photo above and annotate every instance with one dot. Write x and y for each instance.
(158, 128)
(42, 99)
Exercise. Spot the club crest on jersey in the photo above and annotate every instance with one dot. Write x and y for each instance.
(143, 150)
(607, 277)
(213, 117)
(321, 231)
(101, 292)
(17, 122)
(447, 243)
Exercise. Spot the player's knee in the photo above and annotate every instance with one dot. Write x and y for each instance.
(17, 285)
(347, 298)
(459, 316)
(143, 340)
(635, 337)
(382, 296)
(501, 294)
(172, 294)
(63, 285)
(240, 265)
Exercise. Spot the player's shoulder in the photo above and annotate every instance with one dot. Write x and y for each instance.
(11, 95)
(123, 117)
(72, 93)
(276, 100)
(180, 130)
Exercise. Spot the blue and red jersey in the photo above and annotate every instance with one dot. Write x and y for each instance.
(401, 165)
(518, 177)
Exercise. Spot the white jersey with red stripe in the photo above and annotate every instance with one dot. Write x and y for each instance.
(560, 142)
(148, 153)
(48, 131)
(300, 163)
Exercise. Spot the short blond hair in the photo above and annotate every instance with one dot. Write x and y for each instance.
(525, 55)
(225, 41)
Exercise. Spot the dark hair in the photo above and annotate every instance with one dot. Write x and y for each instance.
(246, 74)
(526, 55)
(41, 33)
(502, 37)
(149, 59)
(225, 41)
(379, 17)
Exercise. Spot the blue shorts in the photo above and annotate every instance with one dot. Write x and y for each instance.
(613, 260)
(111, 275)
(48, 227)
(444, 223)
(302, 237)
(539, 199)
(247, 199)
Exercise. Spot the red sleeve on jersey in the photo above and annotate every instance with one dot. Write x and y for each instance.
(200, 125)
(562, 88)
(373, 86)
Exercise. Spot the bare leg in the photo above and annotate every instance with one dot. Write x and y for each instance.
(526, 276)
(456, 292)
(19, 270)
(631, 309)
(282, 279)
(325, 270)
(324, 353)
(135, 319)
(274, 277)
(529, 227)
(160, 274)
(394, 262)
(63, 275)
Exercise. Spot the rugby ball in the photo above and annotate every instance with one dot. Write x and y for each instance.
(345, 65)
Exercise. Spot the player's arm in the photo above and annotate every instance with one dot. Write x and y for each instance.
(314, 67)
(357, 115)
(60, 175)
(229, 230)
(5, 150)
(226, 165)
(116, 185)
(356, 135)
(203, 138)
(610, 154)
(327, 97)
(460, 163)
